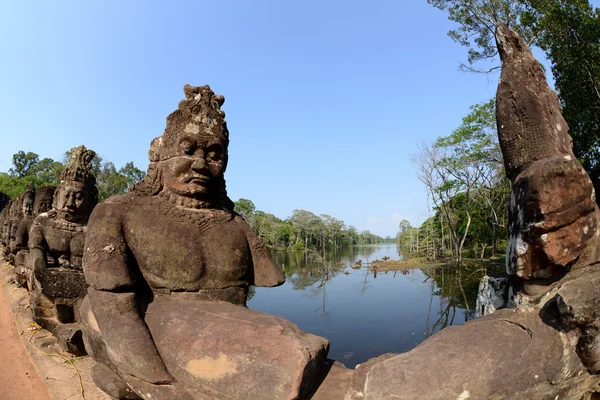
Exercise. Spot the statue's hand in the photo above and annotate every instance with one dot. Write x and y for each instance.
(37, 259)
(154, 372)
(39, 263)
(173, 391)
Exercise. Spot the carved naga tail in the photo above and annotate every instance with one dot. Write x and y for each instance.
(553, 216)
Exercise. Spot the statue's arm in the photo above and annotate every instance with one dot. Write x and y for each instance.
(113, 300)
(266, 272)
(22, 236)
(37, 246)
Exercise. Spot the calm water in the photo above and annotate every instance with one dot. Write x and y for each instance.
(364, 313)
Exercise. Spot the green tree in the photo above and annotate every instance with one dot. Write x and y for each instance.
(48, 171)
(131, 173)
(464, 175)
(569, 32)
(477, 24)
(404, 226)
(110, 182)
(245, 208)
(24, 164)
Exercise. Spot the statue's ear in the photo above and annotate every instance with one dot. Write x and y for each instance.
(265, 272)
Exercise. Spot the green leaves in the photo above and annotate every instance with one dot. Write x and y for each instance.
(476, 24)
(569, 32)
(28, 168)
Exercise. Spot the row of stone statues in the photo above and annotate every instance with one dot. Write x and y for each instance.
(155, 281)
(43, 235)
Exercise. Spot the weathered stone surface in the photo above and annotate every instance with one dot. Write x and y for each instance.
(511, 354)
(227, 351)
(111, 384)
(493, 294)
(61, 282)
(159, 259)
(11, 220)
(22, 271)
(70, 338)
(553, 216)
(579, 300)
(333, 381)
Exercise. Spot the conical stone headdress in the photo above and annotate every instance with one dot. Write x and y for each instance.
(79, 167)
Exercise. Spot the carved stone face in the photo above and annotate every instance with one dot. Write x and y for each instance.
(27, 207)
(198, 168)
(72, 198)
(45, 205)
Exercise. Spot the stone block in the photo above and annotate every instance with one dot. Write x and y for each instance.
(61, 282)
(225, 351)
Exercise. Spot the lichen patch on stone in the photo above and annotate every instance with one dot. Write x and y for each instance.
(212, 368)
(192, 128)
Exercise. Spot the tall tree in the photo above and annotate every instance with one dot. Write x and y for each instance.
(24, 164)
(110, 182)
(477, 24)
(48, 171)
(131, 173)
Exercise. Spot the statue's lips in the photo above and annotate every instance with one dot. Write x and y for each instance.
(198, 179)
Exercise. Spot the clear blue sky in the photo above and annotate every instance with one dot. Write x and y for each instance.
(325, 100)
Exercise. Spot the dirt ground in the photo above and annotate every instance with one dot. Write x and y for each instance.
(19, 379)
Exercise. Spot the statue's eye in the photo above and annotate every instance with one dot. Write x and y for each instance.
(187, 146)
(213, 153)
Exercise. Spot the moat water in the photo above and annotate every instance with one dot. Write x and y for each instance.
(362, 312)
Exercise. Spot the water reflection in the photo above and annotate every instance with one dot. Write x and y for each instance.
(365, 312)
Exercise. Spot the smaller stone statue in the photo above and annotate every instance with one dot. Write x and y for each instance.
(21, 225)
(42, 204)
(56, 242)
(4, 226)
(10, 227)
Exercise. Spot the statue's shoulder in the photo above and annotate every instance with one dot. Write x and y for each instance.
(44, 219)
(130, 199)
(120, 206)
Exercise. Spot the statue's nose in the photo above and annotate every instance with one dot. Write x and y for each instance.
(199, 164)
(70, 201)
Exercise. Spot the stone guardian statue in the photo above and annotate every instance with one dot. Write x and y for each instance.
(56, 242)
(169, 265)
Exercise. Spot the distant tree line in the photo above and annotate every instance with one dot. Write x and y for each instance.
(28, 168)
(303, 230)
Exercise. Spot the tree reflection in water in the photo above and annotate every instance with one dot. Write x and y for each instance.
(338, 295)
(455, 286)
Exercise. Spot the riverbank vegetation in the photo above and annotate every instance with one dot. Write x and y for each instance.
(304, 230)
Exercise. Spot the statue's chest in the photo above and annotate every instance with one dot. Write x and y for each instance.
(188, 253)
(63, 241)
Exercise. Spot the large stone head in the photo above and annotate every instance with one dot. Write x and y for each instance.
(188, 162)
(43, 199)
(27, 200)
(77, 194)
